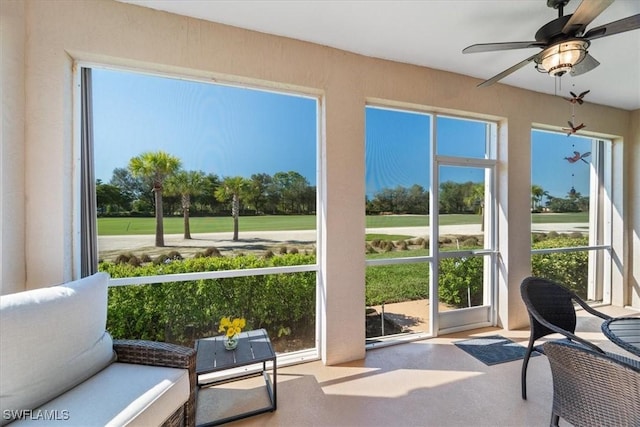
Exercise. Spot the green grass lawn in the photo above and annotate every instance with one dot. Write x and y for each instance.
(174, 225)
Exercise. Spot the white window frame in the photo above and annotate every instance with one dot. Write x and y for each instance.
(600, 264)
(285, 358)
(462, 319)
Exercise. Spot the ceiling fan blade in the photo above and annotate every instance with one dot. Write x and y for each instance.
(492, 47)
(587, 64)
(584, 14)
(626, 24)
(508, 71)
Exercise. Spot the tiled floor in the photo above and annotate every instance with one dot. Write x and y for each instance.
(423, 383)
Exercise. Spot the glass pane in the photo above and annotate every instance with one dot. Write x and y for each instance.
(240, 176)
(461, 283)
(570, 269)
(397, 195)
(462, 202)
(182, 312)
(397, 176)
(461, 137)
(560, 190)
(397, 299)
(560, 203)
(397, 157)
(462, 199)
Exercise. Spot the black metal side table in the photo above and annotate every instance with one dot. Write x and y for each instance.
(254, 347)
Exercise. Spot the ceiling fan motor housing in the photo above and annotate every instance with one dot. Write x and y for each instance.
(561, 57)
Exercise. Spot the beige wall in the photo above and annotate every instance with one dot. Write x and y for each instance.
(56, 33)
(12, 195)
(632, 295)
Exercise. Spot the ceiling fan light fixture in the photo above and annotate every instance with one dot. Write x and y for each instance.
(561, 57)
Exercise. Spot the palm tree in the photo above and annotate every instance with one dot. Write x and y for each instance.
(537, 194)
(233, 188)
(155, 167)
(186, 184)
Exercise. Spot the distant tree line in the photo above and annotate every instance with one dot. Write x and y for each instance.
(455, 197)
(463, 198)
(279, 194)
(155, 183)
(573, 202)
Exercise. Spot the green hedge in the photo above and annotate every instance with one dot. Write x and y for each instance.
(183, 311)
(284, 304)
(567, 268)
(405, 282)
(459, 278)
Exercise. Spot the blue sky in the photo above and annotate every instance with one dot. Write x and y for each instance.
(552, 171)
(398, 150)
(231, 131)
(217, 129)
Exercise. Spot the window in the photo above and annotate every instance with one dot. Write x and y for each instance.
(418, 163)
(570, 212)
(205, 204)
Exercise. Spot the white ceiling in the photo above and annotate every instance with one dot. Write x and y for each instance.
(433, 33)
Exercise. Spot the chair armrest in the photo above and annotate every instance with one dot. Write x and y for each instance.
(591, 310)
(163, 354)
(155, 353)
(569, 335)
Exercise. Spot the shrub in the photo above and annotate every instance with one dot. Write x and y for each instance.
(135, 261)
(567, 268)
(470, 242)
(460, 277)
(122, 258)
(538, 237)
(212, 252)
(181, 311)
(161, 259)
(388, 246)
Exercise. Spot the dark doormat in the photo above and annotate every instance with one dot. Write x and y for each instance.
(493, 349)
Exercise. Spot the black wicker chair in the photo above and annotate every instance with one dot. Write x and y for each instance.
(591, 388)
(551, 310)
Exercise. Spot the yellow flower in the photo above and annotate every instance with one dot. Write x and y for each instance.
(232, 327)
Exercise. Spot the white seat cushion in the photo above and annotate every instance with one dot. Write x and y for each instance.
(52, 339)
(122, 394)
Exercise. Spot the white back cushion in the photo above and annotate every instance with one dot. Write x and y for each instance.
(52, 339)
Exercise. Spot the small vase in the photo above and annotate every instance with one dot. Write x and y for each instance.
(231, 343)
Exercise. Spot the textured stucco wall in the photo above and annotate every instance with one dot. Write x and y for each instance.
(632, 296)
(12, 195)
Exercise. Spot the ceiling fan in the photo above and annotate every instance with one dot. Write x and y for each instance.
(563, 41)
